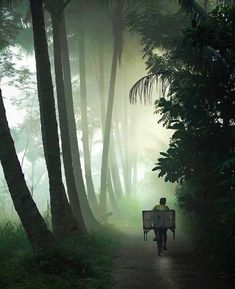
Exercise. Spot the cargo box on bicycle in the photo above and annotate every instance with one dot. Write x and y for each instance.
(158, 219)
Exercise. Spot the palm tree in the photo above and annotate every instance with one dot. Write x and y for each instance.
(112, 198)
(67, 120)
(192, 7)
(117, 49)
(84, 120)
(113, 176)
(113, 166)
(63, 220)
(35, 227)
(63, 118)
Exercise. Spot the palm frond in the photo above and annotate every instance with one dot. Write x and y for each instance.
(143, 88)
(215, 55)
(192, 7)
(196, 56)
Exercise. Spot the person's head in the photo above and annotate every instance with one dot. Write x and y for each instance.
(162, 201)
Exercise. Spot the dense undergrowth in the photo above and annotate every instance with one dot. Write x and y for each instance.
(81, 262)
(210, 223)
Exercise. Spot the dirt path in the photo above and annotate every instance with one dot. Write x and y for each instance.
(137, 266)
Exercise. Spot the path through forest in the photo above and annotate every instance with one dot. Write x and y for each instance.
(137, 266)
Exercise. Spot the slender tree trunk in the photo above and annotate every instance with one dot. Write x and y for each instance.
(120, 142)
(63, 221)
(125, 131)
(35, 227)
(134, 175)
(63, 120)
(111, 165)
(89, 218)
(114, 170)
(84, 120)
(107, 130)
(112, 159)
(112, 198)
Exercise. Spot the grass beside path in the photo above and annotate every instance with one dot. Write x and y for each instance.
(82, 262)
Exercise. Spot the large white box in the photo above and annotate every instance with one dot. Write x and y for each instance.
(158, 219)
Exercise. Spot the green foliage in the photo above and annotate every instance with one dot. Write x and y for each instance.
(10, 25)
(10, 72)
(200, 106)
(81, 262)
(156, 24)
(200, 109)
(197, 103)
(12, 237)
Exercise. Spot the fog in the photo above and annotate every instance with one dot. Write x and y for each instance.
(107, 108)
(137, 136)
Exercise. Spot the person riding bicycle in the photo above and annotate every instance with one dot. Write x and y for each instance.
(163, 231)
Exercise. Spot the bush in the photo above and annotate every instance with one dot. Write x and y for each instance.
(81, 261)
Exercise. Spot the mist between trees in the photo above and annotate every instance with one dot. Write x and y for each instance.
(82, 61)
(85, 151)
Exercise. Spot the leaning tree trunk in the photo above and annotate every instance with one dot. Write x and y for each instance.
(84, 120)
(63, 120)
(112, 198)
(107, 130)
(35, 227)
(89, 218)
(112, 164)
(114, 183)
(63, 221)
(125, 137)
(134, 174)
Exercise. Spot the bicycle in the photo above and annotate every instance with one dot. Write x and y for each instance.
(158, 221)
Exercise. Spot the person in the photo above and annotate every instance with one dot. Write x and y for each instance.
(162, 231)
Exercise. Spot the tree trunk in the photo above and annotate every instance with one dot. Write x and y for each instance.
(120, 142)
(112, 198)
(134, 175)
(35, 227)
(127, 168)
(63, 221)
(114, 170)
(83, 96)
(63, 120)
(106, 175)
(88, 216)
(107, 130)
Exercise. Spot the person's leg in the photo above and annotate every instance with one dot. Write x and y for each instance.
(164, 239)
(155, 232)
